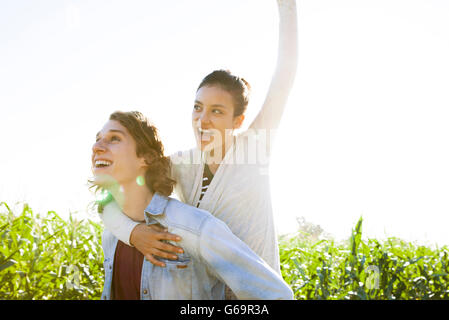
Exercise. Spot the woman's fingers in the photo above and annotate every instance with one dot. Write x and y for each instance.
(149, 240)
(169, 236)
(154, 261)
(164, 254)
(164, 235)
(169, 248)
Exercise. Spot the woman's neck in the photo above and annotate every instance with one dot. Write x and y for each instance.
(214, 157)
(132, 199)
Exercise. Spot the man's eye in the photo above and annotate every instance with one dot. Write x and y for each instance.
(196, 107)
(115, 138)
(217, 111)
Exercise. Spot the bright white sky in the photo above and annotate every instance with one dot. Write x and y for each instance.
(365, 131)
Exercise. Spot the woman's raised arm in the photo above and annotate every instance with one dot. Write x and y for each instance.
(284, 75)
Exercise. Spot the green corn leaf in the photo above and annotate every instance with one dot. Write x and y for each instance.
(7, 264)
(440, 274)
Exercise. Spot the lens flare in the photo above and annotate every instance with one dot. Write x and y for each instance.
(140, 181)
(104, 197)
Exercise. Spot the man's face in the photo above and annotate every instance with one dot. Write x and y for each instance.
(114, 159)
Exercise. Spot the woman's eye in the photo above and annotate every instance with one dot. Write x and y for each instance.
(115, 138)
(196, 107)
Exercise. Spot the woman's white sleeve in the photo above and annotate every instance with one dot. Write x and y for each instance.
(119, 224)
(285, 72)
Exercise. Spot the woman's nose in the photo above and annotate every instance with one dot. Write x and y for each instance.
(204, 117)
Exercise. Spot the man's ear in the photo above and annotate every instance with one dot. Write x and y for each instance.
(238, 121)
(143, 162)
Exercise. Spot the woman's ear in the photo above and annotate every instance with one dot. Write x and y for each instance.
(238, 121)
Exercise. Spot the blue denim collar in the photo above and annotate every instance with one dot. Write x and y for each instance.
(157, 205)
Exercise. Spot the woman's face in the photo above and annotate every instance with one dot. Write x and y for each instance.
(114, 159)
(213, 117)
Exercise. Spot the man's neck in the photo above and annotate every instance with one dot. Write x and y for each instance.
(132, 199)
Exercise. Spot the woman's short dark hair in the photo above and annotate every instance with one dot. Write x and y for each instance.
(238, 87)
(148, 146)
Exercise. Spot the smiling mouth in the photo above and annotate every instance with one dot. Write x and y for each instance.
(205, 134)
(102, 164)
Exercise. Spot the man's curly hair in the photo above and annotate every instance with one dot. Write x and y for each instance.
(148, 146)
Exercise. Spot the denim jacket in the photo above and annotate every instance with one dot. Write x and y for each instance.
(213, 256)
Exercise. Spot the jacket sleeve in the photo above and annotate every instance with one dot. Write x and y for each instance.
(119, 224)
(240, 268)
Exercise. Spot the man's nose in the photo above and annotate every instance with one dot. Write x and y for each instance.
(98, 147)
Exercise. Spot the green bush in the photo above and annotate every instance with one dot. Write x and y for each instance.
(47, 257)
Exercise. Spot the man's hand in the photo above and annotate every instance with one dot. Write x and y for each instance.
(147, 239)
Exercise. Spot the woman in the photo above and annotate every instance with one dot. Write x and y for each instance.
(223, 175)
(128, 161)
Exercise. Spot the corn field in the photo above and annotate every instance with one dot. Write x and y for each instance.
(46, 257)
